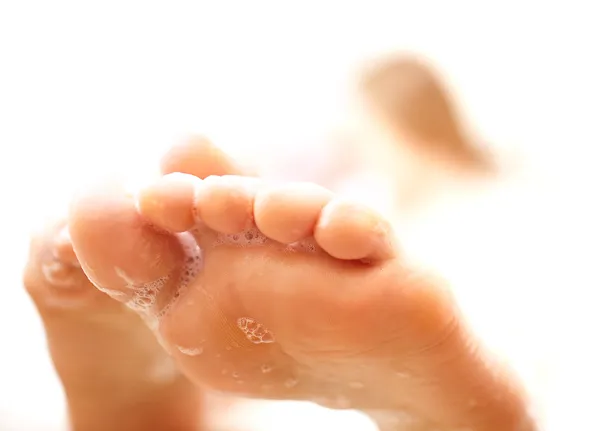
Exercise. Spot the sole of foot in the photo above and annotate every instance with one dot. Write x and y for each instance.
(287, 292)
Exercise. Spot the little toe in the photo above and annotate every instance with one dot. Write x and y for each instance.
(352, 231)
(289, 213)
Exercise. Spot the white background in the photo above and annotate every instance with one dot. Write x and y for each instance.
(88, 87)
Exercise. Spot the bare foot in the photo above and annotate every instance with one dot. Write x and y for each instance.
(289, 293)
(114, 373)
(414, 103)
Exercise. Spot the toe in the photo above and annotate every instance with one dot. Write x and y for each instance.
(224, 204)
(352, 231)
(169, 202)
(289, 213)
(199, 157)
(121, 253)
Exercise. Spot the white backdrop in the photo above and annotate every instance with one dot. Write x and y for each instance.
(87, 87)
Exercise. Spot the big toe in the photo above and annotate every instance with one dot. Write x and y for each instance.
(122, 254)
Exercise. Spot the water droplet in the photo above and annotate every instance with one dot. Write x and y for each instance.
(402, 375)
(265, 368)
(190, 351)
(356, 385)
(290, 383)
(235, 375)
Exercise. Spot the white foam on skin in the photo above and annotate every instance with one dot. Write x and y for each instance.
(144, 295)
(191, 268)
(253, 237)
(255, 332)
(250, 237)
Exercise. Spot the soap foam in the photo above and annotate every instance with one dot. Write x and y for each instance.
(247, 238)
(190, 270)
(255, 332)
